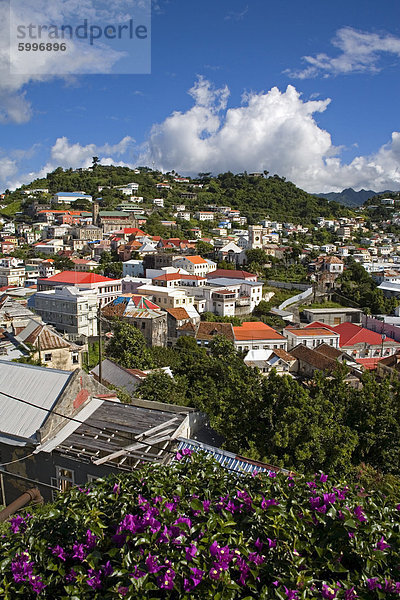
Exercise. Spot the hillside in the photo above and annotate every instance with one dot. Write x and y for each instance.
(349, 197)
(256, 197)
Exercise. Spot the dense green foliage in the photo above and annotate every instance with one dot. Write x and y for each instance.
(357, 285)
(128, 347)
(327, 425)
(193, 531)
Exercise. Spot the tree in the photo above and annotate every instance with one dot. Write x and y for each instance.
(204, 248)
(257, 255)
(160, 387)
(128, 347)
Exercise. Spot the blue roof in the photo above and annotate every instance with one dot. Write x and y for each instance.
(228, 460)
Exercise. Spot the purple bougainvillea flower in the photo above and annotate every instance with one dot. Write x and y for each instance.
(116, 489)
(290, 481)
(271, 543)
(373, 584)
(94, 580)
(398, 507)
(191, 552)
(122, 590)
(258, 544)
(185, 520)
(329, 498)
(37, 584)
(22, 567)
(351, 534)
(197, 575)
(358, 512)
(321, 509)
(291, 594)
(90, 540)
(256, 558)
(107, 570)
(315, 502)
(214, 573)
(323, 478)
(350, 594)
(266, 503)
(79, 551)
(59, 552)
(311, 484)
(164, 582)
(137, 574)
(152, 564)
(271, 474)
(71, 577)
(381, 545)
(206, 505)
(17, 524)
(328, 592)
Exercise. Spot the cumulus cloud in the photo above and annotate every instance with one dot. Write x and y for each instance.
(359, 52)
(274, 131)
(69, 156)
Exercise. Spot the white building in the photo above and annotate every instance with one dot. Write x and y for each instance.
(311, 337)
(69, 309)
(195, 265)
(158, 202)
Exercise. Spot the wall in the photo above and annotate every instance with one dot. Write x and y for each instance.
(298, 298)
(391, 331)
(287, 285)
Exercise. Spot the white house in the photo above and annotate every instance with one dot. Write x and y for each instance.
(311, 336)
(195, 265)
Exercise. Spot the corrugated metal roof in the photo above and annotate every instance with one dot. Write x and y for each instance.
(228, 460)
(38, 385)
(117, 376)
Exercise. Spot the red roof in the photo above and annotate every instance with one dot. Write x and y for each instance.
(135, 230)
(230, 273)
(256, 330)
(77, 277)
(369, 364)
(351, 334)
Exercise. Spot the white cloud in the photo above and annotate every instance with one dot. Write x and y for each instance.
(276, 131)
(67, 155)
(80, 57)
(360, 52)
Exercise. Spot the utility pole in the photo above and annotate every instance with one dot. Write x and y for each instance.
(100, 342)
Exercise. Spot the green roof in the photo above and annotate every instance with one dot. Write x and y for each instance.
(113, 213)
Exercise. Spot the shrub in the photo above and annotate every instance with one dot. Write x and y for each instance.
(193, 530)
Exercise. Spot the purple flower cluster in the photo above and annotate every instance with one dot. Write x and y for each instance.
(22, 570)
(18, 524)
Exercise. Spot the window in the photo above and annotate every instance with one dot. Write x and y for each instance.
(75, 358)
(64, 480)
(47, 357)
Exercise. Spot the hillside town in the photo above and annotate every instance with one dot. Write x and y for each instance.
(134, 328)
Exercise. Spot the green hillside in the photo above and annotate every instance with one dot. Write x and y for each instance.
(256, 197)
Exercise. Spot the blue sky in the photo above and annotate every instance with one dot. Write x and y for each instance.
(334, 127)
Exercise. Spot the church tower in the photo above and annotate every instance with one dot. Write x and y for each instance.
(95, 213)
(255, 236)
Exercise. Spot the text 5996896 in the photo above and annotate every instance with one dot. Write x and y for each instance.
(42, 47)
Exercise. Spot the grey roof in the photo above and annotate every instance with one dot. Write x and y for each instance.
(11, 309)
(226, 282)
(228, 460)
(151, 427)
(37, 385)
(117, 376)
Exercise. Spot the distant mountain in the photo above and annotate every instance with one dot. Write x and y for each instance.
(350, 197)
